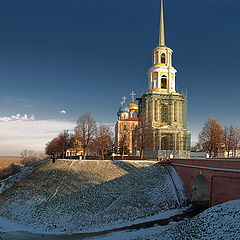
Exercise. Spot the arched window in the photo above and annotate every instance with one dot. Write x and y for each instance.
(155, 79)
(163, 58)
(164, 82)
(156, 58)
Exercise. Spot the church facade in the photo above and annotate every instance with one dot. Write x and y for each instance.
(162, 108)
(125, 126)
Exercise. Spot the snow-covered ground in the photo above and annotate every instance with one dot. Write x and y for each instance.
(219, 222)
(83, 196)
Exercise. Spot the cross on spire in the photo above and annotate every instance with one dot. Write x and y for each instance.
(133, 94)
(124, 100)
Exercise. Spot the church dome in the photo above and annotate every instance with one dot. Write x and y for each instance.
(123, 109)
(133, 106)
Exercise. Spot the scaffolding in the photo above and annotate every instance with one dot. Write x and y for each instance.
(167, 114)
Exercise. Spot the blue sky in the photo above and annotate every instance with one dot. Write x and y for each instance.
(82, 56)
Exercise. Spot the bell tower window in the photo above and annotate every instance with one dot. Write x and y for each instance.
(164, 82)
(163, 58)
(155, 80)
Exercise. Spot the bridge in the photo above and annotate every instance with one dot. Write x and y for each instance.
(210, 181)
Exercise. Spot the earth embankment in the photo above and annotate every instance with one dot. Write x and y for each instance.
(74, 196)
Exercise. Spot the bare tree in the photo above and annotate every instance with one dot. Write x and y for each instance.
(211, 137)
(231, 140)
(64, 141)
(143, 135)
(30, 157)
(85, 131)
(59, 145)
(236, 141)
(123, 144)
(104, 140)
(197, 146)
(53, 147)
(227, 139)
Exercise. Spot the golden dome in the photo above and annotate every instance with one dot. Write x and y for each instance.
(133, 106)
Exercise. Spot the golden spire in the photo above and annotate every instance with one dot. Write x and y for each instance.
(161, 32)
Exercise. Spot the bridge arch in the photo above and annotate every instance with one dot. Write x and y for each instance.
(200, 191)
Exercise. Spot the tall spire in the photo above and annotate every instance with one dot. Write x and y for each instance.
(161, 32)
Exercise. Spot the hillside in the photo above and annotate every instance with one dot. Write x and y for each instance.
(74, 196)
(216, 223)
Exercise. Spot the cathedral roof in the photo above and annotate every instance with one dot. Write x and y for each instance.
(123, 108)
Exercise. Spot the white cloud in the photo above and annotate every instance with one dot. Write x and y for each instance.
(20, 132)
(24, 99)
(63, 112)
(17, 117)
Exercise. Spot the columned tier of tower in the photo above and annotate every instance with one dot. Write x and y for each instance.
(161, 76)
(167, 115)
(161, 79)
(162, 56)
(164, 110)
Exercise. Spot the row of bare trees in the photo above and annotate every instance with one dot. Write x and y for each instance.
(30, 157)
(213, 138)
(59, 145)
(87, 137)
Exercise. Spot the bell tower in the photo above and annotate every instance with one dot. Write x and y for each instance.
(161, 76)
(164, 109)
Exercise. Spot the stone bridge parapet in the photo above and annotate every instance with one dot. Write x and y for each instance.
(210, 181)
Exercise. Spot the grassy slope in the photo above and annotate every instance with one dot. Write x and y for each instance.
(82, 195)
